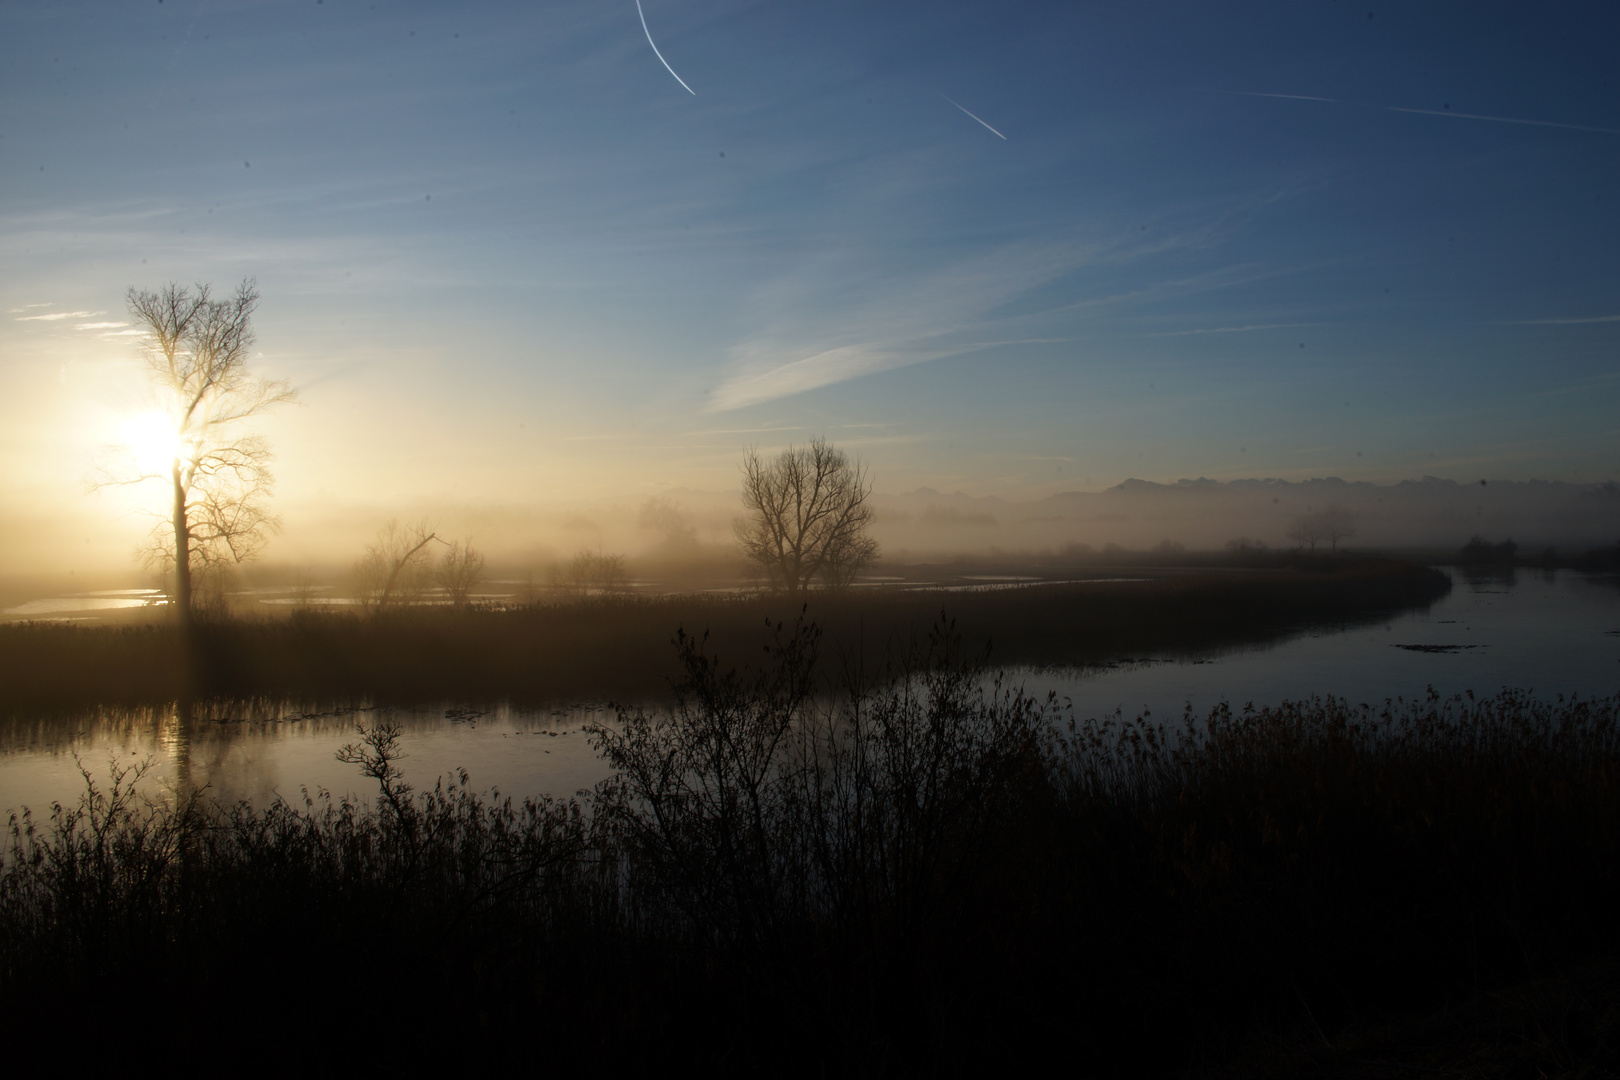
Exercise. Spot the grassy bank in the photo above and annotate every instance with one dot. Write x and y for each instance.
(608, 648)
(924, 878)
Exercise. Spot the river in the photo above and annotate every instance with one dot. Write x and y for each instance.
(1555, 632)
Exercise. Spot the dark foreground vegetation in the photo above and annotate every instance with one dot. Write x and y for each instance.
(617, 648)
(1480, 552)
(911, 874)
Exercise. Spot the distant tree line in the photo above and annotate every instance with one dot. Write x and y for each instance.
(1328, 525)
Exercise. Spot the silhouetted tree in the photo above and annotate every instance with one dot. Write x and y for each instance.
(1337, 524)
(807, 516)
(1305, 531)
(395, 568)
(1480, 550)
(669, 522)
(1329, 524)
(196, 350)
(599, 570)
(460, 570)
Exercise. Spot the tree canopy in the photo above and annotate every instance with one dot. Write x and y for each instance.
(807, 516)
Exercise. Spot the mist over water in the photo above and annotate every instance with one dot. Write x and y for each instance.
(417, 371)
(1553, 632)
(683, 539)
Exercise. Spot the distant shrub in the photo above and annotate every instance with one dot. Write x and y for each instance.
(1481, 551)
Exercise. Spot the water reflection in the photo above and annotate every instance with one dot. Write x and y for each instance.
(75, 606)
(260, 751)
(1484, 576)
(1547, 631)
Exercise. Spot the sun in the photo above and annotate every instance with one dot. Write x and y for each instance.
(151, 440)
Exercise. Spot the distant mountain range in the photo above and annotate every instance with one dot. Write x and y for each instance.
(1205, 513)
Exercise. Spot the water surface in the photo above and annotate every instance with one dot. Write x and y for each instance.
(1554, 632)
(1551, 632)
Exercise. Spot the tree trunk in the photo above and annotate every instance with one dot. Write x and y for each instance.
(182, 552)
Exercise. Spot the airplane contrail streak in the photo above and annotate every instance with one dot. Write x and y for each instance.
(1565, 322)
(1425, 112)
(1503, 119)
(1290, 97)
(992, 130)
(671, 70)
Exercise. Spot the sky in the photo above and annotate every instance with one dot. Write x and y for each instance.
(512, 256)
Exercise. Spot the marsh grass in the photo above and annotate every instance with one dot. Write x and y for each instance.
(806, 865)
(617, 648)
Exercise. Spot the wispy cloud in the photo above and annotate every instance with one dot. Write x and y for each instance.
(1585, 386)
(1231, 329)
(1563, 322)
(839, 320)
(843, 315)
(100, 325)
(813, 372)
(59, 315)
(704, 432)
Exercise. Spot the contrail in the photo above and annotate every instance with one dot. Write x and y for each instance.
(671, 70)
(1290, 97)
(993, 131)
(1421, 112)
(1503, 119)
(1564, 322)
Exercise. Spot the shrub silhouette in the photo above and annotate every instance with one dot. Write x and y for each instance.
(915, 869)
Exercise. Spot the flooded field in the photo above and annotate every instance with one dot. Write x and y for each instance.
(1553, 633)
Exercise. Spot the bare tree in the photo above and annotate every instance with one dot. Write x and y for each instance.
(590, 571)
(395, 568)
(807, 516)
(1305, 531)
(1337, 524)
(302, 593)
(1329, 524)
(460, 570)
(670, 522)
(196, 351)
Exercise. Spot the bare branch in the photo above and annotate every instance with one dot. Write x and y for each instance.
(394, 570)
(460, 570)
(807, 516)
(196, 349)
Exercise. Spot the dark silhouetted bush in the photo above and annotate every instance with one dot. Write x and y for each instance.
(907, 870)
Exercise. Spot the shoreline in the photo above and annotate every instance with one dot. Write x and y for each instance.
(610, 647)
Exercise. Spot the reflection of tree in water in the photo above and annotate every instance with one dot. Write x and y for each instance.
(1490, 575)
(199, 740)
(174, 736)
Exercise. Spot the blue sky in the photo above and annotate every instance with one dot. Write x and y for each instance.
(508, 257)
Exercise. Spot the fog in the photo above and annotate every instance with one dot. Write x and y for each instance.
(692, 526)
(1206, 514)
(684, 537)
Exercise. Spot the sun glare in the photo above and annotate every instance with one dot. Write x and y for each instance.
(151, 439)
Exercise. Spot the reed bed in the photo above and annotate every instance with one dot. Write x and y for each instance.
(803, 866)
(617, 648)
